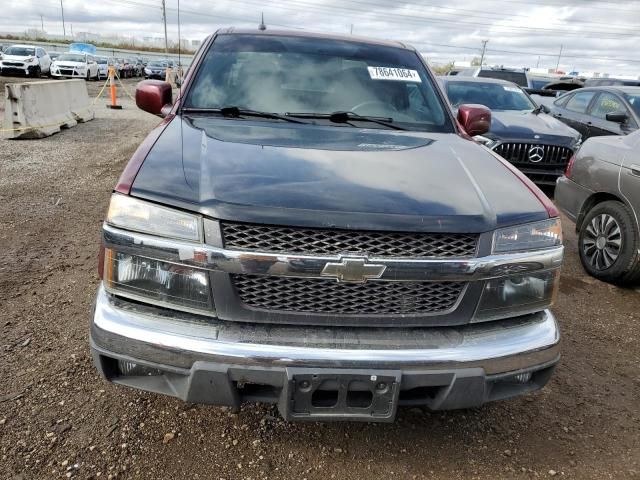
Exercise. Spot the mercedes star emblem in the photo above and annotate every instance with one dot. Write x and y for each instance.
(536, 154)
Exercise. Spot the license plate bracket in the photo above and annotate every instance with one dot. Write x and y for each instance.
(340, 394)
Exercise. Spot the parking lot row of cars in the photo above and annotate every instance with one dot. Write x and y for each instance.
(35, 61)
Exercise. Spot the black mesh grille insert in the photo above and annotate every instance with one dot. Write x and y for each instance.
(312, 241)
(288, 294)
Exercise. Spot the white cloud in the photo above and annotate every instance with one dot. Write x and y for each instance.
(596, 36)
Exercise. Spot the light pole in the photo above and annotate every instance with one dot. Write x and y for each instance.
(559, 56)
(164, 19)
(64, 30)
(484, 49)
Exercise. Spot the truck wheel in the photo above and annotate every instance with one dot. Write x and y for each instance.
(609, 243)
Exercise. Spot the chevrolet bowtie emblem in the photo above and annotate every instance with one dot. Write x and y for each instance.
(353, 270)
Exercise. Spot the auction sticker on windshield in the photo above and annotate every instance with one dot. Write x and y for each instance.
(394, 73)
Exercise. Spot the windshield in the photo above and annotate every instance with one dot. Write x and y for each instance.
(519, 78)
(309, 75)
(539, 84)
(71, 57)
(20, 51)
(101, 61)
(157, 64)
(634, 101)
(495, 96)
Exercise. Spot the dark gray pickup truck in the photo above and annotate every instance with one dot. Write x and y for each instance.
(311, 226)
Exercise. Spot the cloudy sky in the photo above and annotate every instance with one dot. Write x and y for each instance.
(600, 36)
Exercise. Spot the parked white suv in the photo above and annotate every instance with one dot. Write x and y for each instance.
(25, 59)
(75, 65)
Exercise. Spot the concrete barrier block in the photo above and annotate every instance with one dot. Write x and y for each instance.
(40, 109)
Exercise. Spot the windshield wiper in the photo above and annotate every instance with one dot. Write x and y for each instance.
(346, 117)
(237, 112)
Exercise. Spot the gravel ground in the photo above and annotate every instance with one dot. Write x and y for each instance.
(59, 419)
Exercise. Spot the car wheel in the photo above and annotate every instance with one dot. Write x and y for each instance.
(609, 243)
(37, 73)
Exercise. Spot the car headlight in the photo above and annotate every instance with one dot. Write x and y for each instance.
(147, 71)
(530, 236)
(485, 140)
(160, 283)
(578, 143)
(146, 217)
(31, 60)
(517, 295)
(144, 278)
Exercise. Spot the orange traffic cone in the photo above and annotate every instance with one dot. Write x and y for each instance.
(112, 86)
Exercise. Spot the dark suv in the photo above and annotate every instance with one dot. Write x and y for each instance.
(521, 132)
(311, 226)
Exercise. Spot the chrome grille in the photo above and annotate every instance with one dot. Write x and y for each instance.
(552, 164)
(319, 296)
(518, 153)
(311, 241)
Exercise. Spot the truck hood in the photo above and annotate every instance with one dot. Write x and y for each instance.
(332, 176)
(541, 128)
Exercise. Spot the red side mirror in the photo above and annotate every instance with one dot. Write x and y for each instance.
(154, 96)
(475, 119)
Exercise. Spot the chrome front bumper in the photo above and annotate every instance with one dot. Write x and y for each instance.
(176, 341)
(226, 363)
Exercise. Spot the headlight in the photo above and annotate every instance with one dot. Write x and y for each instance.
(517, 295)
(30, 59)
(486, 141)
(531, 236)
(147, 71)
(133, 214)
(160, 283)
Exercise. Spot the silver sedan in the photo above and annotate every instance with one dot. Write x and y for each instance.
(601, 193)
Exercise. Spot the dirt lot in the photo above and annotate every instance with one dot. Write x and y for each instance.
(58, 419)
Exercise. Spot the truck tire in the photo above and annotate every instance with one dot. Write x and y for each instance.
(609, 243)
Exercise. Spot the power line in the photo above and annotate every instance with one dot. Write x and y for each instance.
(478, 13)
(559, 5)
(136, 4)
(520, 52)
(425, 20)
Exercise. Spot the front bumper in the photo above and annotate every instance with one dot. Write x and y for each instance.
(68, 73)
(227, 363)
(24, 70)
